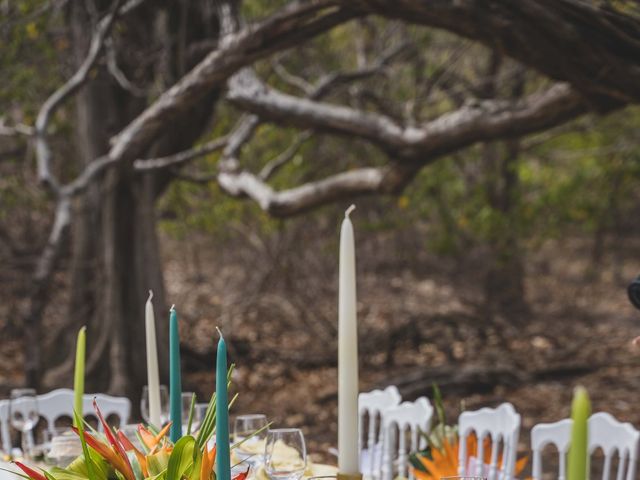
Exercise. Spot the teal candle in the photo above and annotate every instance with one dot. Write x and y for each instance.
(223, 462)
(578, 453)
(175, 386)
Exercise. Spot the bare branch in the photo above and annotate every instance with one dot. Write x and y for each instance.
(605, 70)
(43, 152)
(118, 74)
(364, 181)
(15, 130)
(240, 135)
(327, 83)
(182, 157)
(272, 167)
(286, 28)
(474, 122)
(291, 79)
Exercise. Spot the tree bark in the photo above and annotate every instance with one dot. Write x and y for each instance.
(504, 280)
(115, 256)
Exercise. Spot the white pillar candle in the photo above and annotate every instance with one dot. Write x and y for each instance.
(153, 377)
(348, 463)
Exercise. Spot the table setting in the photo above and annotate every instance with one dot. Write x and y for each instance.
(182, 439)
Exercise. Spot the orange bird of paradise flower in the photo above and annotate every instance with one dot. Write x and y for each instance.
(444, 461)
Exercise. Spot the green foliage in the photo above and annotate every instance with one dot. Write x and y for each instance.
(182, 458)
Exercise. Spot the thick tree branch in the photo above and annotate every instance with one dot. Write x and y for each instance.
(284, 29)
(590, 45)
(364, 181)
(478, 121)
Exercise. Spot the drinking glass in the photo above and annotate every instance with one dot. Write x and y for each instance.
(24, 415)
(245, 428)
(186, 399)
(463, 478)
(164, 405)
(199, 412)
(285, 454)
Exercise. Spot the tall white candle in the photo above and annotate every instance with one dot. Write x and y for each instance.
(348, 463)
(153, 377)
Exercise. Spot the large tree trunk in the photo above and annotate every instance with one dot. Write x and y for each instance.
(504, 280)
(132, 267)
(116, 256)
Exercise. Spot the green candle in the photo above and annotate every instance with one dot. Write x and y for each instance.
(78, 377)
(175, 386)
(578, 451)
(223, 462)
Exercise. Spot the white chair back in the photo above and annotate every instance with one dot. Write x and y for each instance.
(55, 405)
(557, 434)
(5, 426)
(372, 405)
(409, 418)
(605, 432)
(613, 436)
(501, 424)
(109, 405)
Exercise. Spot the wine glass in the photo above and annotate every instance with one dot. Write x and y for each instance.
(187, 398)
(199, 411)
(285, 454)
(253, 442)
(24, 415)
(164, 405)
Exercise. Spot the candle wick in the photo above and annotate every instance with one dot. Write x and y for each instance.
(219, 332)
(349, 210)
(173, 307)
(150, 295)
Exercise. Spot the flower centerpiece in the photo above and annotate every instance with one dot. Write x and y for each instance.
(111, 455)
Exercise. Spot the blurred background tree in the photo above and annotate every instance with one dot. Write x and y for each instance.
(478, 136)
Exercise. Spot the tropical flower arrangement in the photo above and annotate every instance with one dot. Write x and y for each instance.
(440, 459)
(113, 456)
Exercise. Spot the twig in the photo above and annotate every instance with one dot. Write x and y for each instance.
(118, 74)
(182, 157)
(272, 167)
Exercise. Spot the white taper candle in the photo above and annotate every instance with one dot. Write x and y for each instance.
(347, 353)
(153, 376)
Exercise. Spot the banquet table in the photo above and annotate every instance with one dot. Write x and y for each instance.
(313, 470)
(7, 475)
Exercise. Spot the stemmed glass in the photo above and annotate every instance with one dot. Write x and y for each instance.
(285, 454)
(164, 405)
(198, 415)
(24, 415)
(252, 447)
(199, 411)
